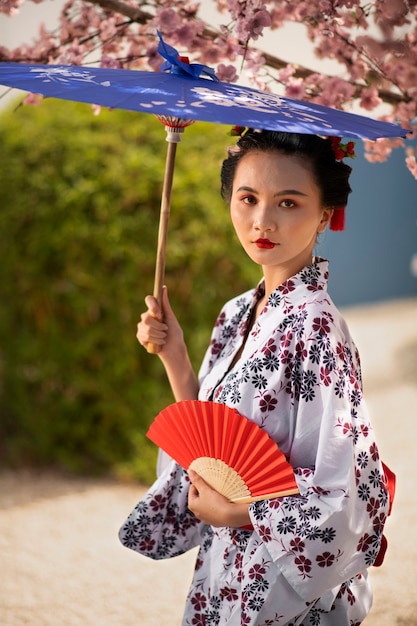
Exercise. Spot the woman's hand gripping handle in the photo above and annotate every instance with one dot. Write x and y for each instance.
(160, 329)
(153, 329)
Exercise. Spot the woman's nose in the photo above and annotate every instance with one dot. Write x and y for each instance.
(264, 219)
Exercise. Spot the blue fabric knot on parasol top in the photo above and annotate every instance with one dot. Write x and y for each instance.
(177, 64)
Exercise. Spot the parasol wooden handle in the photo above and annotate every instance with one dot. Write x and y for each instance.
(163, 231)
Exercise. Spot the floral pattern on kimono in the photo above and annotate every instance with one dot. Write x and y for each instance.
(305, 561)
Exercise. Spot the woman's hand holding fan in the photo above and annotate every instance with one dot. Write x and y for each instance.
(232, 454)
(212, 508)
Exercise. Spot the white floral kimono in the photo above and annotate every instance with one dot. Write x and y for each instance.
(305, 560)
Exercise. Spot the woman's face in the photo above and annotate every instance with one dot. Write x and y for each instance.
(276, 210)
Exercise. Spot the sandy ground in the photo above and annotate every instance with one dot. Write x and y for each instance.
(61, 562)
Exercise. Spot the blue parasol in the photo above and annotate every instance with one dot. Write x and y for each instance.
(185, 93)
(190, 91)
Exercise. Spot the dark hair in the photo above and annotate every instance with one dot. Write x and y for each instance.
(331, 176)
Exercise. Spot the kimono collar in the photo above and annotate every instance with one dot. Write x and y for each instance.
(311, 278)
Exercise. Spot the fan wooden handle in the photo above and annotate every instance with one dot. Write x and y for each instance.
(153, 348)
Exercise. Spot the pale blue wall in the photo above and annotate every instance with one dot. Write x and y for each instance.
(370, 260)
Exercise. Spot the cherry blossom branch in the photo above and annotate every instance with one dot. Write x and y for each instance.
(136, 14)
(117, 6)
(302, 72)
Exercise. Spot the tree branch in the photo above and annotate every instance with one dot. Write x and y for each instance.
(118, 6)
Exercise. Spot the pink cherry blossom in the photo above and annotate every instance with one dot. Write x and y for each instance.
(10, 7)
(379, 150)
(254, 60)
(168, 20)
(252, 27)
(370, 98)
(226, 73)
(411, 161)
(295, 88)
(35, 99)
(286, 73)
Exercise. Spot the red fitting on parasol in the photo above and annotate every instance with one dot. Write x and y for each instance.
(174, 126)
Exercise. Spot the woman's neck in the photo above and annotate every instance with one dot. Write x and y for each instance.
(274, 276)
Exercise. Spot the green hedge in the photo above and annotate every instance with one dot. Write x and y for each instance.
(79, 198)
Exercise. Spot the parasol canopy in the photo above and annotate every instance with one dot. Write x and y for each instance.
(190, 95)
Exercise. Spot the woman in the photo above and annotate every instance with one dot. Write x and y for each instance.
(281, 354)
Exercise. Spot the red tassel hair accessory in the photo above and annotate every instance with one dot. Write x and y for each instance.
(341, 151)
(337, 221)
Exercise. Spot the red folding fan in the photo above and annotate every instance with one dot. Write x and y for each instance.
(233, 455)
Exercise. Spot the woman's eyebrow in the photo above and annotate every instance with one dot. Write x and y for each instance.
(244, 188)
(284, 192)
(290, 192)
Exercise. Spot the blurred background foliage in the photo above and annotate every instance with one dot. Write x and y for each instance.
(80, 197)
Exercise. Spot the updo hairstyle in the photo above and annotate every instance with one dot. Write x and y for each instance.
(331, 176)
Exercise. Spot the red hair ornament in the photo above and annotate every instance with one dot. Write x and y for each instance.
(342, 150)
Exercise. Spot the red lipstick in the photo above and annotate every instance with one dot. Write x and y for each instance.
(266, 244)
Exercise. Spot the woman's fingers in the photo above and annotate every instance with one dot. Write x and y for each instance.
(196, 480)
(150, 329)
(146, 334)
(196, 487)
(153, 307)
(159, 326)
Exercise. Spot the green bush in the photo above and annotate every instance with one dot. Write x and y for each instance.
(80, 197)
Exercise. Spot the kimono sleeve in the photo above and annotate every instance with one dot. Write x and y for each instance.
(161, 526)
(332, 531)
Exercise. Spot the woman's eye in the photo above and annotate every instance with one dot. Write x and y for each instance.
(287, 204)
(249, 200)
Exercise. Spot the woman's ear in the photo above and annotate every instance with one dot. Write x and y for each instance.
(325, 219)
